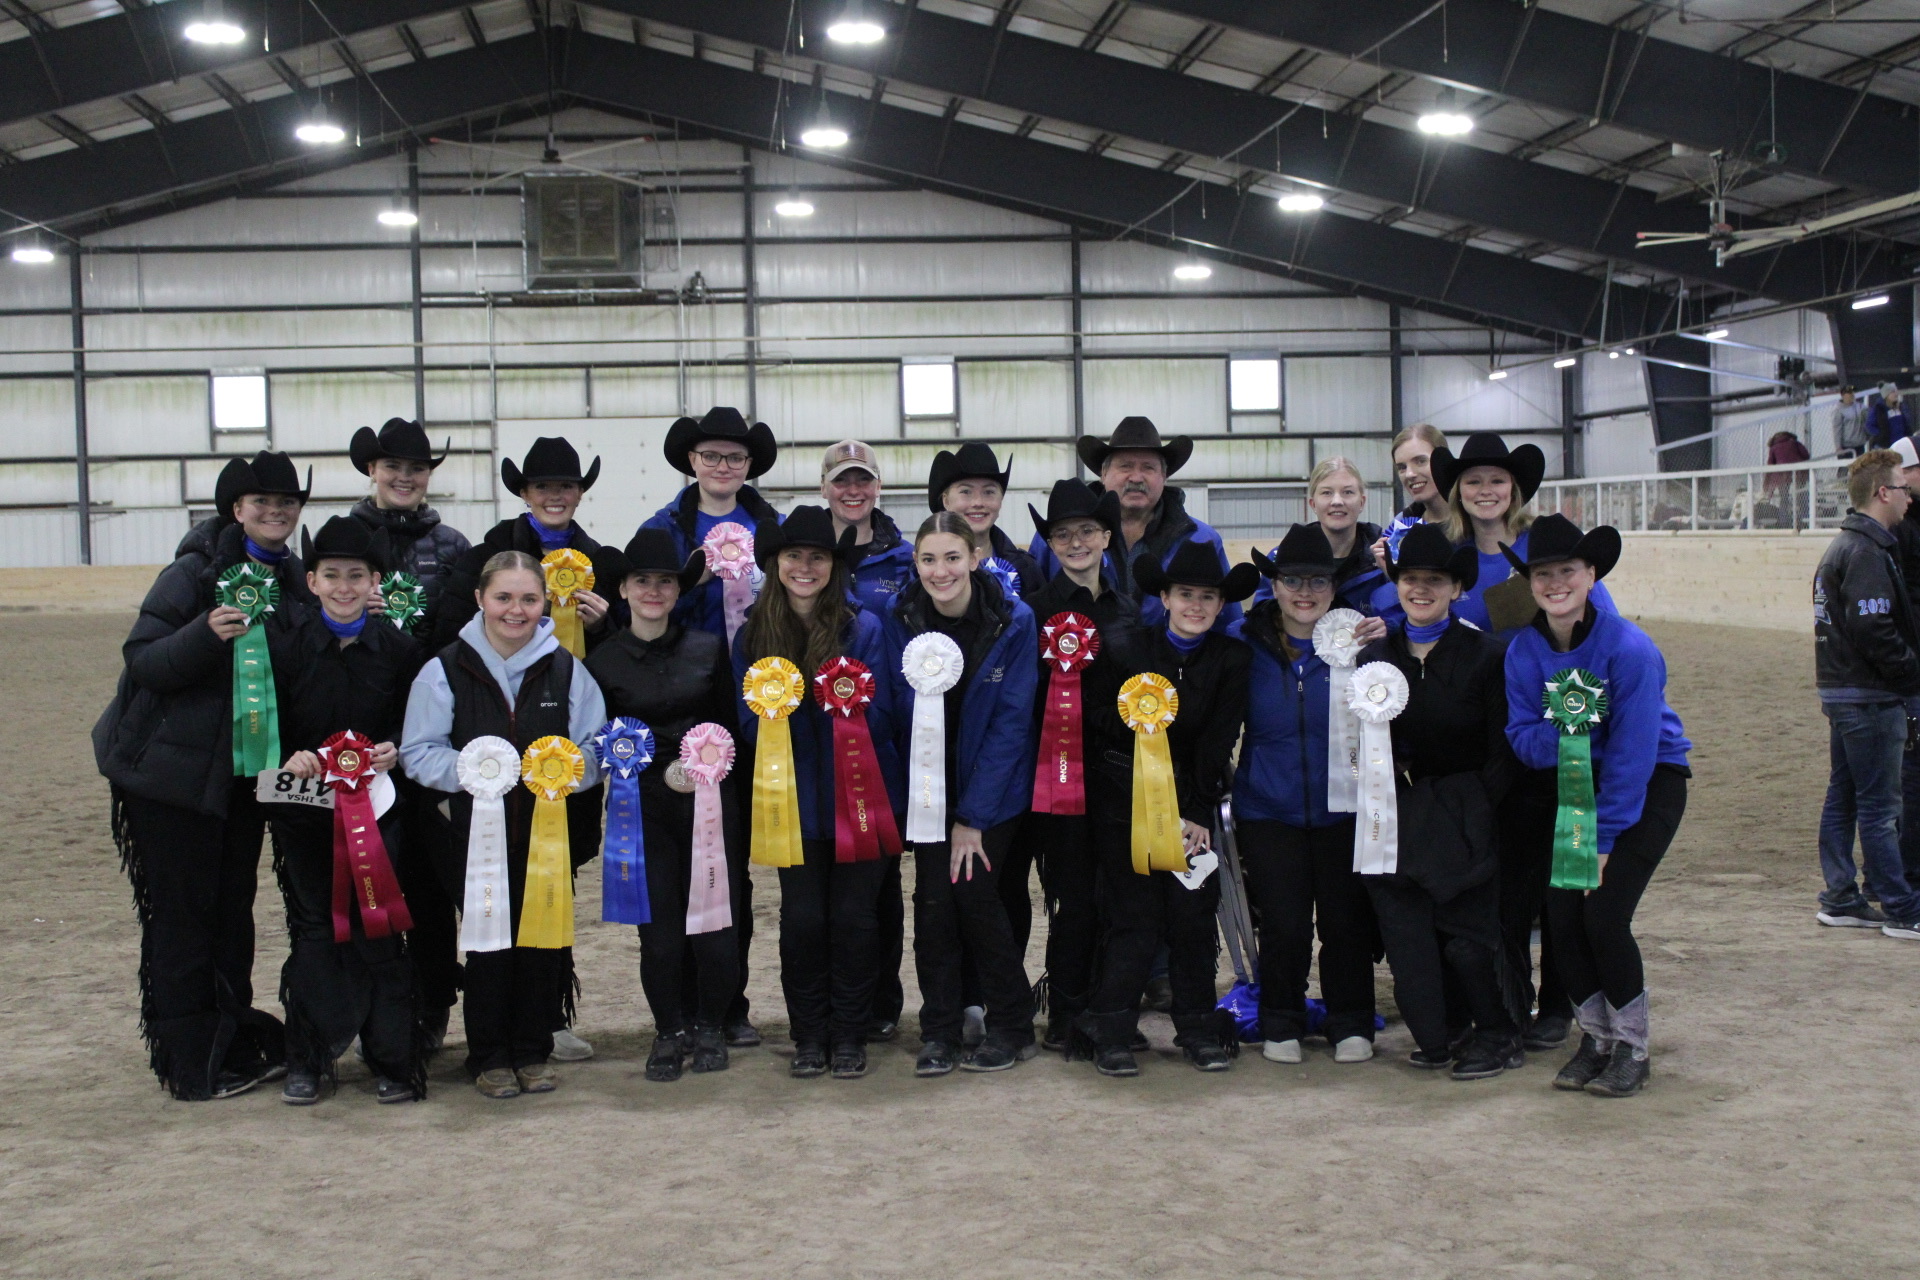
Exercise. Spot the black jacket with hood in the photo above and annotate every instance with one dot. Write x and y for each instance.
(1865, 648)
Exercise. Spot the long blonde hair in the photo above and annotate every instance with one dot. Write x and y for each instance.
(1519, 517)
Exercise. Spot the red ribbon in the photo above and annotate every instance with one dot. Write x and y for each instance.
(1068, 642)
(863, 826)
(363, 876)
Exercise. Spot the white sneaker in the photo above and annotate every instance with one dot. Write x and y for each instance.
(974, 1030)
(1353, 1049)
(1281, 1051)
(568, 1047)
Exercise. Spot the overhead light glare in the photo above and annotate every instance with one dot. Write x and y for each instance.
(399, 218)
(794, 207)
(856, 31)
(1300, 202)
(1566, 363)
(1865, 304)
(824, 135)
(1192, 271)
(320, 133)
(32, 254)
(1613, 355)
(1629, 350)
(1445, 124)
(1715, 335)
(1497, 375)
(214, 33)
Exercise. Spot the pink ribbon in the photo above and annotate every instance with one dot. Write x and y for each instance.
(706, 756)
(729, 551)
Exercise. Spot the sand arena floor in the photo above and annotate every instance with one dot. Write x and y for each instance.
(1777, 1138)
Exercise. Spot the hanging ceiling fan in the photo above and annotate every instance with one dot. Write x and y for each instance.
(1729, 243)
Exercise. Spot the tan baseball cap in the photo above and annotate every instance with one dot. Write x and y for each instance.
(847, 455)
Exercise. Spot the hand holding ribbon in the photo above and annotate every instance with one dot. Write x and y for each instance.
(403, 601)
(772, 689)
(552, 767)
(363, 876)
(1337, 646)
(706, 756)
(1377, 693)
(729, 549)
(1576, 701)
(489, 767)
(568, 573)
(863, 827)
(933, 664)
(1148, 705)
(252, 589)
(625, 748)
(1068, 642)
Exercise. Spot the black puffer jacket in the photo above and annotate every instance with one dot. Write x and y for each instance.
(671, 684)
(421, 544)
(167, 735)
(1212, 685)
(457, 603)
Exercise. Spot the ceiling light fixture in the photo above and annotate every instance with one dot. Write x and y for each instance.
(824, 135)
(32, 255)
(1192, 271)
(1497, 375)
(1613, 355)
(214, 32)
(1566, 362)
(1442, 120)
(320, 133)
(399, 218)
(1300, 202)
(794, 207)
(855, 30)
(1715, 336)
(1877, 300)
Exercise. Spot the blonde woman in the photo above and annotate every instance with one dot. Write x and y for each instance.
(1336, 499)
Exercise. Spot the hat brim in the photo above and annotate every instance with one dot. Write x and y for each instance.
(1526, 464)
(517, 482)
(1599, 547)
(946, 472)
(1463, 566)
(1094, 452)
(364, 450)
(613, 566)
(1235, 584)
(769, 540)
(1105, 513)
(1272, 568)
(686, 433)
(238, 480)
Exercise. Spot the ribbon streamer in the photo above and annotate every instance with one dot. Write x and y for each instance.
(1377, 693)
(567, 571)
(933, 664)
(1148, 705)
(706, 756)
(625, 748)
(489, 767)
(552, 767)
(863, 827)
(252, 589)
(1334, 643)
(406, 601)
(1068, 642)
(363, 877)
(1576, 701)
(772, 690)
(729, 549)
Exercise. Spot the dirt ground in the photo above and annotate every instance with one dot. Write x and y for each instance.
(1776, 1139)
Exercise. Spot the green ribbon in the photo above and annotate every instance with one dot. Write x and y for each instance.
(406, 600)
(252, 589)
(1576, 701)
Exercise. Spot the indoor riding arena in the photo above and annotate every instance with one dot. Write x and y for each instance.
(615, 275)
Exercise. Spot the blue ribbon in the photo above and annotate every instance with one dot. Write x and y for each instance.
(625, 748)
(1009, 577)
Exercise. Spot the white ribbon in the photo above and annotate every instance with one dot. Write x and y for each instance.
(489, 768)
(1377, 693)
(1333, 642)
(933, 664)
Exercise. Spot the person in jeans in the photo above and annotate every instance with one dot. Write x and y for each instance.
(1867, 668)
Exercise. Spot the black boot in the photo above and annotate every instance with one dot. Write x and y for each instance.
(936, 1059)
(809, 1060)
(1206, 1053)
(709, 1049)
(849, 1060)
(1488, 1054)
(1623, 1075)
(668, 1057)
(1584, 1065)
(1115, 1060)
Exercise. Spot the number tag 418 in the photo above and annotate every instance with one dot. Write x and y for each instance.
(278, 786)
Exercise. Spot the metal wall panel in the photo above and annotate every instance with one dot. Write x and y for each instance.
(36, 418)
(267, 221)
(146, 415)
(1122, 266)
(819, 404)
(886, 213)
(249, 279)
(320, 412)
(543, 393)
(32, 539)
(888, 330)
(135, 484)
(1610, 384)
(24, 285)
(1453, 393)
(1236, 324)
(1181, 396)
(1244, 459)
(38, 484)
(637, 393)
(138, 537)
(35, 344)
(880, 270)
(1016, 398)
(1338, 394)
(1620, 446)
(264, 339)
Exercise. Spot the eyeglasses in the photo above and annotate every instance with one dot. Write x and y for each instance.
(1295, 582)
(1085, 534)
(713, 459)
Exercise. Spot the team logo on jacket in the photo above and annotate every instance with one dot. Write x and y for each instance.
(1820, 603)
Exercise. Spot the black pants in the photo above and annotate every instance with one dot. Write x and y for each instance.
(1443, 981)
(670, 959)
(194, 878)
(889, 997)
(1526, 863)
(830, 945)
(961, 928)
(1297, 877)
(512, 1006)
(434, 941)
(1142, 914)
(1063, 846)
(740, 884)
(1593, 930)
(334, 991)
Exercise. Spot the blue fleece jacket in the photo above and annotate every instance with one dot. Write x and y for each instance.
(1494, 570)
(1282, 775)
(704, 608)
(886, 570)
(1638, 732)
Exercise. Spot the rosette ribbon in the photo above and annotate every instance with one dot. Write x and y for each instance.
(933, 664)
(772, 689)
(1005, 574)
(1148, 705)
(1334, 643)
(1377, 693)
(552, 767)
(568, 572)
(252, 589)
(863, 826)
(729, 549)
(363, 877)
(625, 748)
(1068, 642)
(1576, 701)
(706, 756)
(406, 600)
(489, 767)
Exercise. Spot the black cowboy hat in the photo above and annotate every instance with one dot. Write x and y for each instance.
(975, 461)
(1134, 433)
(344, 538)
(400, 439)
(1197, 564)
(721, 423)
(550, 458)
(1426, 547)
(1554, 538)
(1073, 500)
(1526, 464)
(650, 551)
(263, 473)
(803, 527)
(1304, 548)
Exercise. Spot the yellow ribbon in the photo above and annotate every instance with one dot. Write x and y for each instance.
(773, 689)
(552, 767)
(1148, 705)
(567, 571)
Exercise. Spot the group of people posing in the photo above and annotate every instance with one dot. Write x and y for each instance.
(1419, 742)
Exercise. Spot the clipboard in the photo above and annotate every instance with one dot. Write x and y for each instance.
(1510, 604)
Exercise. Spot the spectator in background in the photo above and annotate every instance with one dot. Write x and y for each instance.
(1887, 418)
(1783, 447)
(1849, 425)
